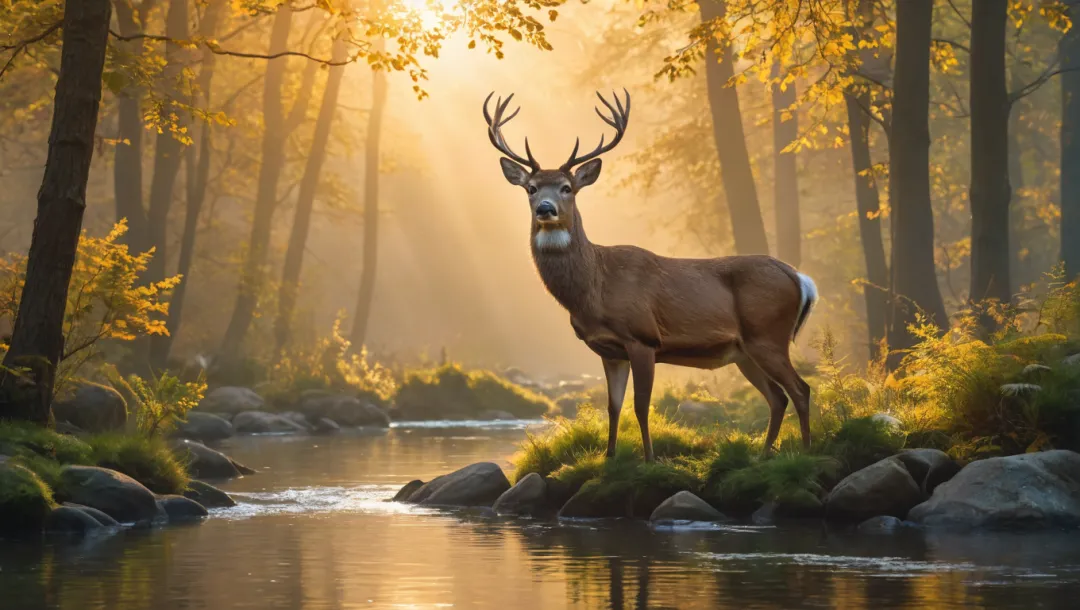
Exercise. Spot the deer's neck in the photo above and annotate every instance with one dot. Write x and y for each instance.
(569, 272)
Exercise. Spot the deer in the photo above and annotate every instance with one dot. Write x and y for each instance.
(636, 309)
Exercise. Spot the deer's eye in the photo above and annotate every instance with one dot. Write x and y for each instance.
(531, 189)
(566, 189)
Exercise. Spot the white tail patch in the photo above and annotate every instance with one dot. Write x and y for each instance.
(553, 239)
(809, 296)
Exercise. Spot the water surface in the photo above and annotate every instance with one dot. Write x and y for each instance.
(314, 531)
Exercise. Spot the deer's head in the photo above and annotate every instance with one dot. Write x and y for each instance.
(553, 192)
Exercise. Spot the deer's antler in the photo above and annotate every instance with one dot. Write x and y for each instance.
(495, 131)
(619, 118)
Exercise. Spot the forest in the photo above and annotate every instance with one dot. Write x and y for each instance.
(291, 208)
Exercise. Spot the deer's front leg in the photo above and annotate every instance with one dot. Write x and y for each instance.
(617, 373)
(643, 365)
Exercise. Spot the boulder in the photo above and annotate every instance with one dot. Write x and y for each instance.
(231, 400)
(891, 423)
(208, 495)
(98, 516)
(203, 427)
(91, 407)
(117, 495)
(1033, 490)
(407, 490)
(527, 497)
(495, 415)
(180, 508)
(569, 404)
(685, 506)
(68, 520)
(25, 501)
(325, 425)
(765, 515)
(476, 485)
(345, 410)
(204, 462)
(299, 419)
(63, 427)
(929, 467)
(259, 422)
(882, 524)
(586, 504)
(882, 488)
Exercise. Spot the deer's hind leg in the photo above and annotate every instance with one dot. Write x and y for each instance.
(617, 373)
(775, 362)
(773, 393)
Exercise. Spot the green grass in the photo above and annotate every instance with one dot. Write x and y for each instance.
(25, 500)
(448, 392)
(861, 441)
(19, 439)
(147, 460)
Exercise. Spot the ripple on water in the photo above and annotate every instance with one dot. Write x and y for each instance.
(504, 424)
(314, 500)
(873, 566)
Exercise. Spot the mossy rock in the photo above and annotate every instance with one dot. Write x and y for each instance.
(25, 500)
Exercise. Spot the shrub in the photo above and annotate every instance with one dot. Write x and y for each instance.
(860, 442)
(449, 392)
(25, 500)
(790, 479)
(625, 485)
(159, 403)
(147, 460)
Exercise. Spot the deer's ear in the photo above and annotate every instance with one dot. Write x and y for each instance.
(587, 173)
(515, 174)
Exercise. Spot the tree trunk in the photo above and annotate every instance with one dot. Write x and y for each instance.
(169, 151)
(197, 171)
(990, 191)
(1019, 273)
(37, 340)
(371, 211)
(277, 128)
(1070, 145)
(294, 255)
(127, 163)
(735, 171)
(786, 180)
(868, 205)
(914, 284)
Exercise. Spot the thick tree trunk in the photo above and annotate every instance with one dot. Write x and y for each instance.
(169, 151)
(277, 129)
(1019, 272)
(127, 163)
(37, 340)
(735, 171)
(1070, 144)
(868, 204)
(990, 191)
(197, 172)
(786, 180)
(371, 211)
(305, 203)
(914, 284)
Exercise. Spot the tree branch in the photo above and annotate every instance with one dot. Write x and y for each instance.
(219, 51)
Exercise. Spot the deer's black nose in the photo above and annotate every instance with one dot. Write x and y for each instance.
(546, 209)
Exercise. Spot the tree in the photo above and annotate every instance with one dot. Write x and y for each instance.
(305, 203)
(278, 126)
(786, 179)
(37, 340)
(735, 170)
(371, 212)
(990, 191)
(1069, 50)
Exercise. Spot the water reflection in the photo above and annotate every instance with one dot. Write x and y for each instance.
(313, 532)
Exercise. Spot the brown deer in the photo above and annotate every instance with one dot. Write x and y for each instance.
(635, 309)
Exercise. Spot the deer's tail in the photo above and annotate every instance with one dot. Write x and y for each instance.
(808, 297)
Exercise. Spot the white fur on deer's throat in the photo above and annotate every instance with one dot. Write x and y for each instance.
(552, 239)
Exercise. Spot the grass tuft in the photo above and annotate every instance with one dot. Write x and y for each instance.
(449, 392)
(147, 460)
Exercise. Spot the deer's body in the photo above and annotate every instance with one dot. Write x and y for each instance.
(635, 309)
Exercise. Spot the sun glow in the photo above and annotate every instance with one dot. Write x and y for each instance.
(429, 12)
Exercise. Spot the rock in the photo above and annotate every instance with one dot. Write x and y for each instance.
(527, 497)
(299, 419)
(694, 411)
(408, 490)
(63, 427)
(685, 506)
(180, 508)
(1033, 490)
(204, 427)
(68, 520)
(495, 415)
(765, 515)
(91, 407)
(569, 404)
(325, 425)
(208, 495)
(259, 422)
(476, 485)
(585, 504)
(882, 488)
(231, 400)
(929, 467)
(882, 524)
(98, 516)
(25, 501)
(117, 495)
(890, 422)
(345, 410)
(204, 462)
